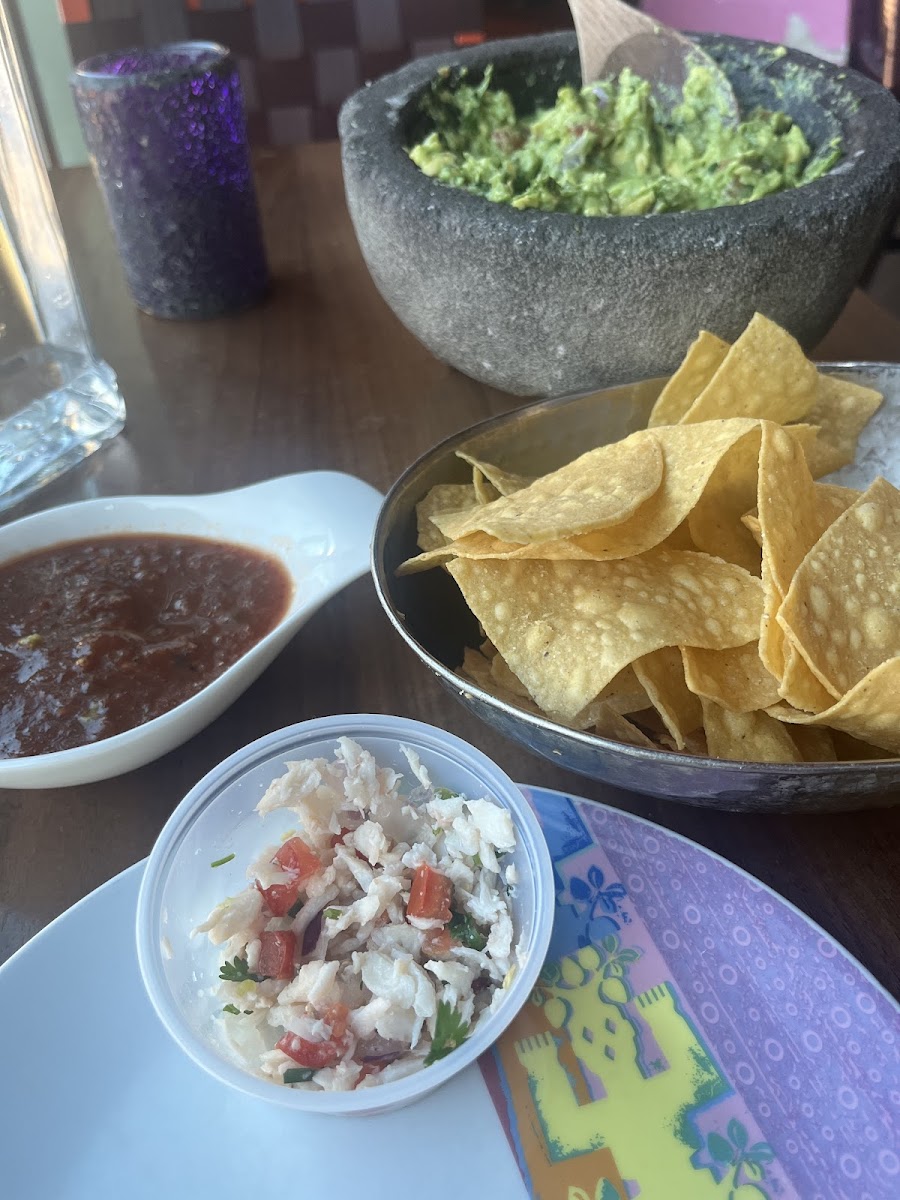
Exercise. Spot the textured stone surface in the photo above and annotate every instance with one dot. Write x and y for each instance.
(547, 303)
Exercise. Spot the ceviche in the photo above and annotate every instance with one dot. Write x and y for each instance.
(370, 941)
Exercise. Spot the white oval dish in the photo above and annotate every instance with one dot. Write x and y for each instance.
(318, 524)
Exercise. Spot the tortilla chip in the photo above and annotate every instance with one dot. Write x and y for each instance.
(611, 724)
(867, 712)
(492, 673)
(841, 411)
(794, 512)
(746, 737)
(691, 456)
(843, 607)
(799, 686)
(695, 743)
(485, 492)
(505, 678)
(506, 482)
(764, 374)
(679, 539)
(831, 501)
(812, 508)
(750, 521)
(790, 519)
(662, 676)
(603, 487)
(737, 679)
(624, 693)
(446, 497)
(715, 522)
(478, 668)
(771, 635)
(567, 629)
(482, 545)
(700, 363)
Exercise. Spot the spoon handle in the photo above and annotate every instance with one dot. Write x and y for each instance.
(601, 26)
(612, 36)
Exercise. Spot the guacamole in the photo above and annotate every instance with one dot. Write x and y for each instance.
(609, 149)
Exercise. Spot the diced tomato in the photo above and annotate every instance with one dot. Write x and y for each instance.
(438, 943)
(276, 954)
(430, 895)
(336, 1016)
(301, 863)
(320, 1054)
(280, 898)
(310, 1054)
(297, 858)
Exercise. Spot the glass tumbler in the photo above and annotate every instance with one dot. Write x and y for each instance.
(166, 131)
(58, 401)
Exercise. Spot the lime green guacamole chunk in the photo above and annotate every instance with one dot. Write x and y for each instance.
(609, 149)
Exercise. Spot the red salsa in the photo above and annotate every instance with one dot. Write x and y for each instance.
(101, 635)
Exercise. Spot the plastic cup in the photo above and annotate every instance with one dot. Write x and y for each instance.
(218, 818)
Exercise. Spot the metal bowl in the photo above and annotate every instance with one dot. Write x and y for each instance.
(430, 614)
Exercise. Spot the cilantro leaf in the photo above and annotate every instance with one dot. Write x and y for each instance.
(464, 930)
(333, 914)
(238, 971)
(230, 1008)
(443, 793)
(298, 1075)
(450, 1031)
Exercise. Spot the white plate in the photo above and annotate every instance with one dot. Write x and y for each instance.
(319, 524)
(98, 1103)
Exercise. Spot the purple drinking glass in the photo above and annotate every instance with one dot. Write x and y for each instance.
(166, 132)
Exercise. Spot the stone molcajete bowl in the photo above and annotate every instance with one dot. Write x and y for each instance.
(550, 303)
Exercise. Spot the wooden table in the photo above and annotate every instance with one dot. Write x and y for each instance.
(324, 376)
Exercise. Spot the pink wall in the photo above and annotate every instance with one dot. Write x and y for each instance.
(817, 26)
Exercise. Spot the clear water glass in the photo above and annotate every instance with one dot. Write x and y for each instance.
(58, 401)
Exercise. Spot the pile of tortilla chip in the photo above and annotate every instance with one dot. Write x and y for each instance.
(692, 587)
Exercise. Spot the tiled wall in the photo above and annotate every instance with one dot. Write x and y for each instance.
(299, 58)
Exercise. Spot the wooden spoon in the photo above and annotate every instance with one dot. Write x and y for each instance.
(612, 35)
